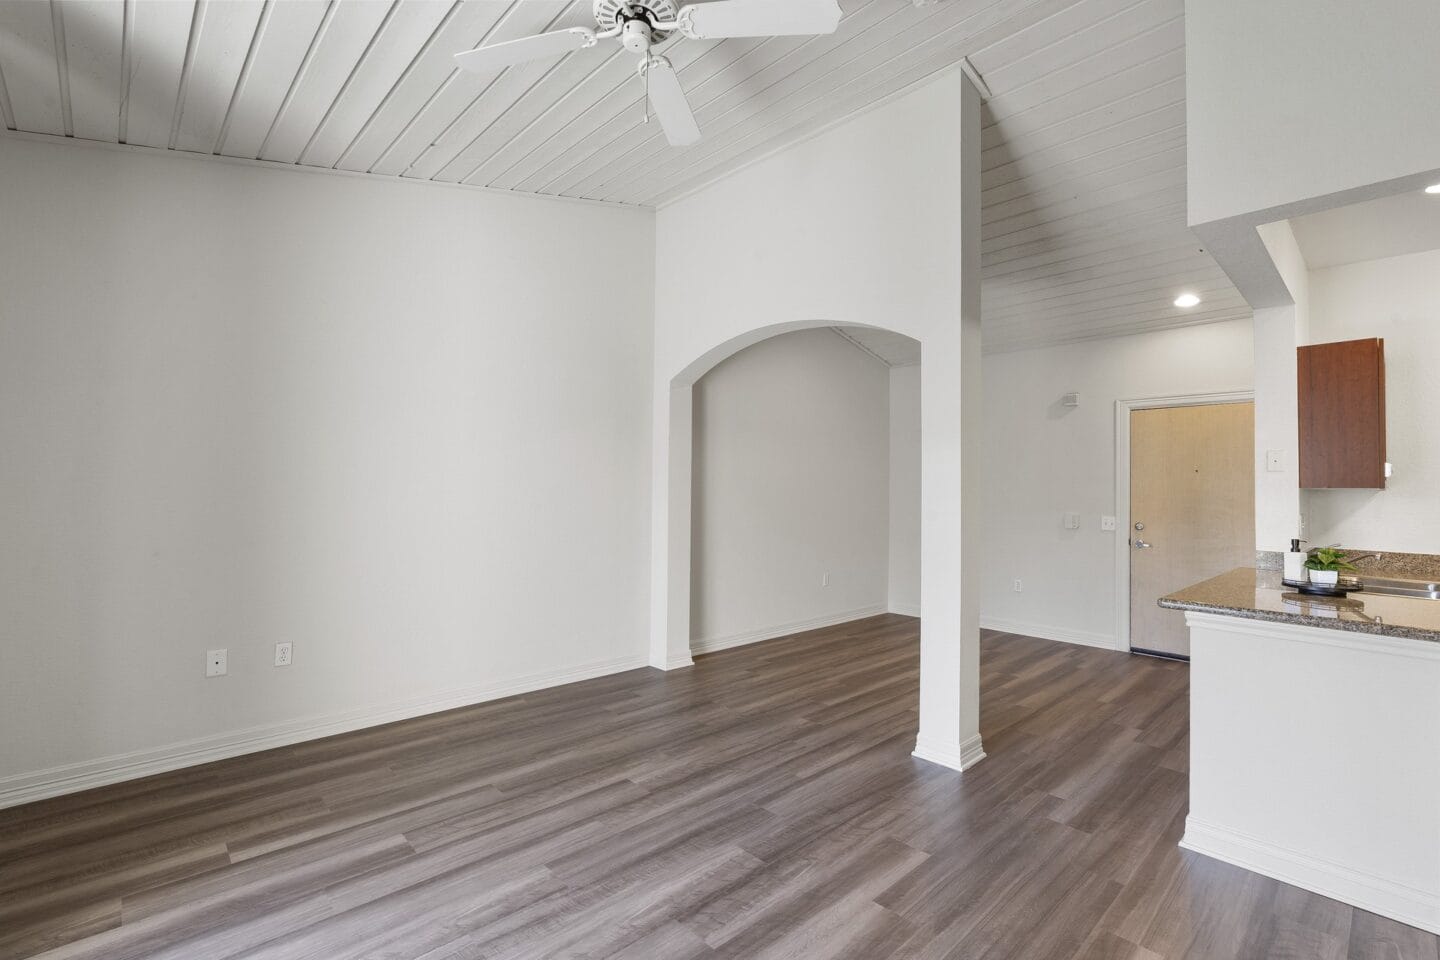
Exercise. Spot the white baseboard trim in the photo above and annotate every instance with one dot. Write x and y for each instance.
(785, 629)
(956, 756)
(674, 663)
(1418, 908)
(1046, 632)
(84, 775)
(906, 609)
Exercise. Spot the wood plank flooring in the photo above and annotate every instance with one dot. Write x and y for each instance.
(763, 804)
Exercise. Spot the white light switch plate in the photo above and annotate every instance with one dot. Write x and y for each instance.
(217, 663)
(1275, 461)
(1072, 521)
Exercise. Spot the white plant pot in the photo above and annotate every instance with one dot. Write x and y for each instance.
(1325, 578)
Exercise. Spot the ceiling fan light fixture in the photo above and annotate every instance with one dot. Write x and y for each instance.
(640, 26)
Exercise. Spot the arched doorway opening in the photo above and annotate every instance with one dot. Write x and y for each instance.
(949, 661)
(805, 486)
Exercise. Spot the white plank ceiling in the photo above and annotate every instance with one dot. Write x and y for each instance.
(1084, 144)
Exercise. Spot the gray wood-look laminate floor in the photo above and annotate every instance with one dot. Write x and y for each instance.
(763, 804)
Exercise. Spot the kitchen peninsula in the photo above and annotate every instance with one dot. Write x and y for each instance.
(1315, 739)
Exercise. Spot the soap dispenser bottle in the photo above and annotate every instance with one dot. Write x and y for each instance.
(1295, 563)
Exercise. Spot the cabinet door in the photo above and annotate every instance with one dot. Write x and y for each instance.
(1342, 414)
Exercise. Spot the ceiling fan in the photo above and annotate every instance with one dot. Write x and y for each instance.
(641, 25)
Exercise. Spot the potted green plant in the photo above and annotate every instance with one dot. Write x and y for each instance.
(1325, 564)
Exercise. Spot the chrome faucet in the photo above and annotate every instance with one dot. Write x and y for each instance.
(1367, 556)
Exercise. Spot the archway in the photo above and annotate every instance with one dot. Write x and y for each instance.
(949, 684)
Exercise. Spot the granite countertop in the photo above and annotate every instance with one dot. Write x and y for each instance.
(1259, 595)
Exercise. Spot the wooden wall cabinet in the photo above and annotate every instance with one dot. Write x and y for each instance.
(1342, 414)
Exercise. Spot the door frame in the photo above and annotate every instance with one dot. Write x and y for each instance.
(1122, 489)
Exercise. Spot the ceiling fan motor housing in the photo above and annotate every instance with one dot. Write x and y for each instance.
(637, 36)
(637, 19)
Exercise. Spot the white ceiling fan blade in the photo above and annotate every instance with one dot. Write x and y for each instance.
(499, 55)
(671, 107)
(758, 18)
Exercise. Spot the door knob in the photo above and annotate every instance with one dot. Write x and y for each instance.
(1141, 544)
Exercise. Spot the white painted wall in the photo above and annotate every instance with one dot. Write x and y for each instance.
(791, 477)
(1398, 299)
(1043, 459)
(1279, 331)
(1287, 101)
(904, 572)
(791, 241)
(387, 422)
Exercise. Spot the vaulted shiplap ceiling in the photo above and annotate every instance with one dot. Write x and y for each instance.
(1084, 148)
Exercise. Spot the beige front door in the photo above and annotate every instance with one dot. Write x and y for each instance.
(1192, 510)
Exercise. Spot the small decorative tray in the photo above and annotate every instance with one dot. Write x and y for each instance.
(1344, 586)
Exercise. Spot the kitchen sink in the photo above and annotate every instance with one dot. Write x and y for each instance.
(1395, 587)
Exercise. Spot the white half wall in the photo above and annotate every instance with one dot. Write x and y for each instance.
(1044, 459)
(1313, 761)
(791, 489)
(1398, 299)
(904, 572)
(389, 423)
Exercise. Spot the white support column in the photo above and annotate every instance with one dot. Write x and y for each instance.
(950, 423)
(670, 528)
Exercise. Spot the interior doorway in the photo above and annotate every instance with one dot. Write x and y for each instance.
(791, 485)
(951, 423)
(1190, 508)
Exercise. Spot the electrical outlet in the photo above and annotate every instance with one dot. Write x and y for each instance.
(1107, 523)
(217, 663)
(1018, 585)
(282, 654)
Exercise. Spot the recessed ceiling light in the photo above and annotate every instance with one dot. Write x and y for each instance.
(1186, 300)
(1433, 188)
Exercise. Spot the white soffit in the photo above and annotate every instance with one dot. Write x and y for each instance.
(1084, 149)
(1388, 227)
